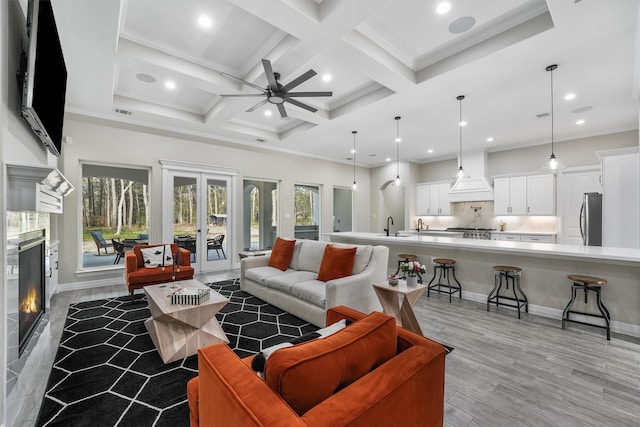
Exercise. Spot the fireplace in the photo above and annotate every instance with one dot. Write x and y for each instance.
(31, 284)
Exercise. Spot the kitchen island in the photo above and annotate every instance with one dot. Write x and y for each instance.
(545, 267)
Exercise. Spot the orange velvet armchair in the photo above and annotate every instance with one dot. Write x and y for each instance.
(137, 275)
(406, 390)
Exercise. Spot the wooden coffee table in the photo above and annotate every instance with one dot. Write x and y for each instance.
(179, 330)
(389, 297)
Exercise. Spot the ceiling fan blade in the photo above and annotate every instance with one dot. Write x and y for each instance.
(268, 71)
(283, 112)
(299, 80)
(301, 105)
(297, 94)
(240, 95)
(258, 105)
(244, 82)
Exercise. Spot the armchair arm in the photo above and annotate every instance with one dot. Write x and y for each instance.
(130, 263)
(231, 394)
(184, 257)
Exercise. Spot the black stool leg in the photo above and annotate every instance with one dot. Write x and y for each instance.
(524, 296)
(453, 269)
(604, 311)
(565, 313)
(494, 291)
(435, 269)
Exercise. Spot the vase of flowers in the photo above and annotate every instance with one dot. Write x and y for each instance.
(411, 269)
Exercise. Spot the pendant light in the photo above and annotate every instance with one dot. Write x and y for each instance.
(553, 164)
(355, 186)
(398, 139)
(460, 174)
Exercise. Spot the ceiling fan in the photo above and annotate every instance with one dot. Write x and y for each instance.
(277, 93)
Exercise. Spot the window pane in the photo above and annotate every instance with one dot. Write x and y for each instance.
(260, 208)
(115, 208)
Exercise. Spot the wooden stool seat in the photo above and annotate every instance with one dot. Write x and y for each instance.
(444, 261)
(588, 280)
(587, 284)
(507, 269)
(408, 257)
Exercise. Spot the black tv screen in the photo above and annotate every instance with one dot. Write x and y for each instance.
(45, 80)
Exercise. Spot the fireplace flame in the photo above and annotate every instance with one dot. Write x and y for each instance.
(28, 304)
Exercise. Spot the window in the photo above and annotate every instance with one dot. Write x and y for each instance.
(260, 210)
(115, 207)
(307, 211)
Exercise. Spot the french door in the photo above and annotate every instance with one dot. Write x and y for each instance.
(198, 207)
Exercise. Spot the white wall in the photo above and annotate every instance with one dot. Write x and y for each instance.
(103, 142)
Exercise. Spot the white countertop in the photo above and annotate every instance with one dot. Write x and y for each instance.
(545, 250)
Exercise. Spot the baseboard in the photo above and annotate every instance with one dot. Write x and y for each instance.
(554, 313)
(89, 284)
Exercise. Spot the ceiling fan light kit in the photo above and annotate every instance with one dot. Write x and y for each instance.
(276, 93)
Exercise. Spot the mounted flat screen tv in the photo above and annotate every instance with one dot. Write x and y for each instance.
(45, 78)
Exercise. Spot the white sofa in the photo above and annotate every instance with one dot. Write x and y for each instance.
(297, 291)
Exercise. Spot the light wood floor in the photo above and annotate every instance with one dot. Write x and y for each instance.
(503, 371)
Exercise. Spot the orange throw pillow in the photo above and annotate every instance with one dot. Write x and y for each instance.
(281, 253)
(336, 263)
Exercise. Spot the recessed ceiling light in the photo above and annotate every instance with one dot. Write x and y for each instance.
(145, 78)
(463, 123)
(353, 151)
(443, 7)
(569, 96)
(388, 159)
(326, 77)
(204, 21)
(580, 122)
(169, 84)
(267, 113)
(430, 150)
(462, 25)
(490, 139)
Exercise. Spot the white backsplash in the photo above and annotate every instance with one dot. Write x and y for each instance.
(480, 215)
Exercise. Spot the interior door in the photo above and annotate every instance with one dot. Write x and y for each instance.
(198, 217)
(572, 189)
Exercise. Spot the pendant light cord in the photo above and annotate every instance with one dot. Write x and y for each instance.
(397, 146)
(552, 68)
(460, 98)
(354, 156)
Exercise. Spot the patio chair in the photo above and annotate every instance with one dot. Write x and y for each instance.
(98, 239)
(216, 243)
(118, 248)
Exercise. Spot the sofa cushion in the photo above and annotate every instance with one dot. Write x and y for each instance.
(310, 257)
(336, 263)
(260, 274)
(285, 281)
(281, 253)
(311, 291)
(306, 374)
(295, 258)
(363, 256)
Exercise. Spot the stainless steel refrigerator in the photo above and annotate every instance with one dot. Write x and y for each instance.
(591, 219)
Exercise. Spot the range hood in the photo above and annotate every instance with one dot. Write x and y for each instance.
(36, 188)
(477, 187)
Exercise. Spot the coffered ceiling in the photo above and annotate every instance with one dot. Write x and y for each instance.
(385, 58)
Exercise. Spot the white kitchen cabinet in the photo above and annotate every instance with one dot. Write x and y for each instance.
(620, 198)
(433, 199)
(541, 194)
(525, 195)
(422, 199)
(510, 195)
(510, 237)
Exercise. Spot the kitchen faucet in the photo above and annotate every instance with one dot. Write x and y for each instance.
(419, 224)
(387, 229)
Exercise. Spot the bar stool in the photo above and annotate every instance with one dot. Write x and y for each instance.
(508, 273)
(446, 267)
(403, 258)
(587, 283)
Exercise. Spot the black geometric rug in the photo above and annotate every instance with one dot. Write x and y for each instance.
(107, 371)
